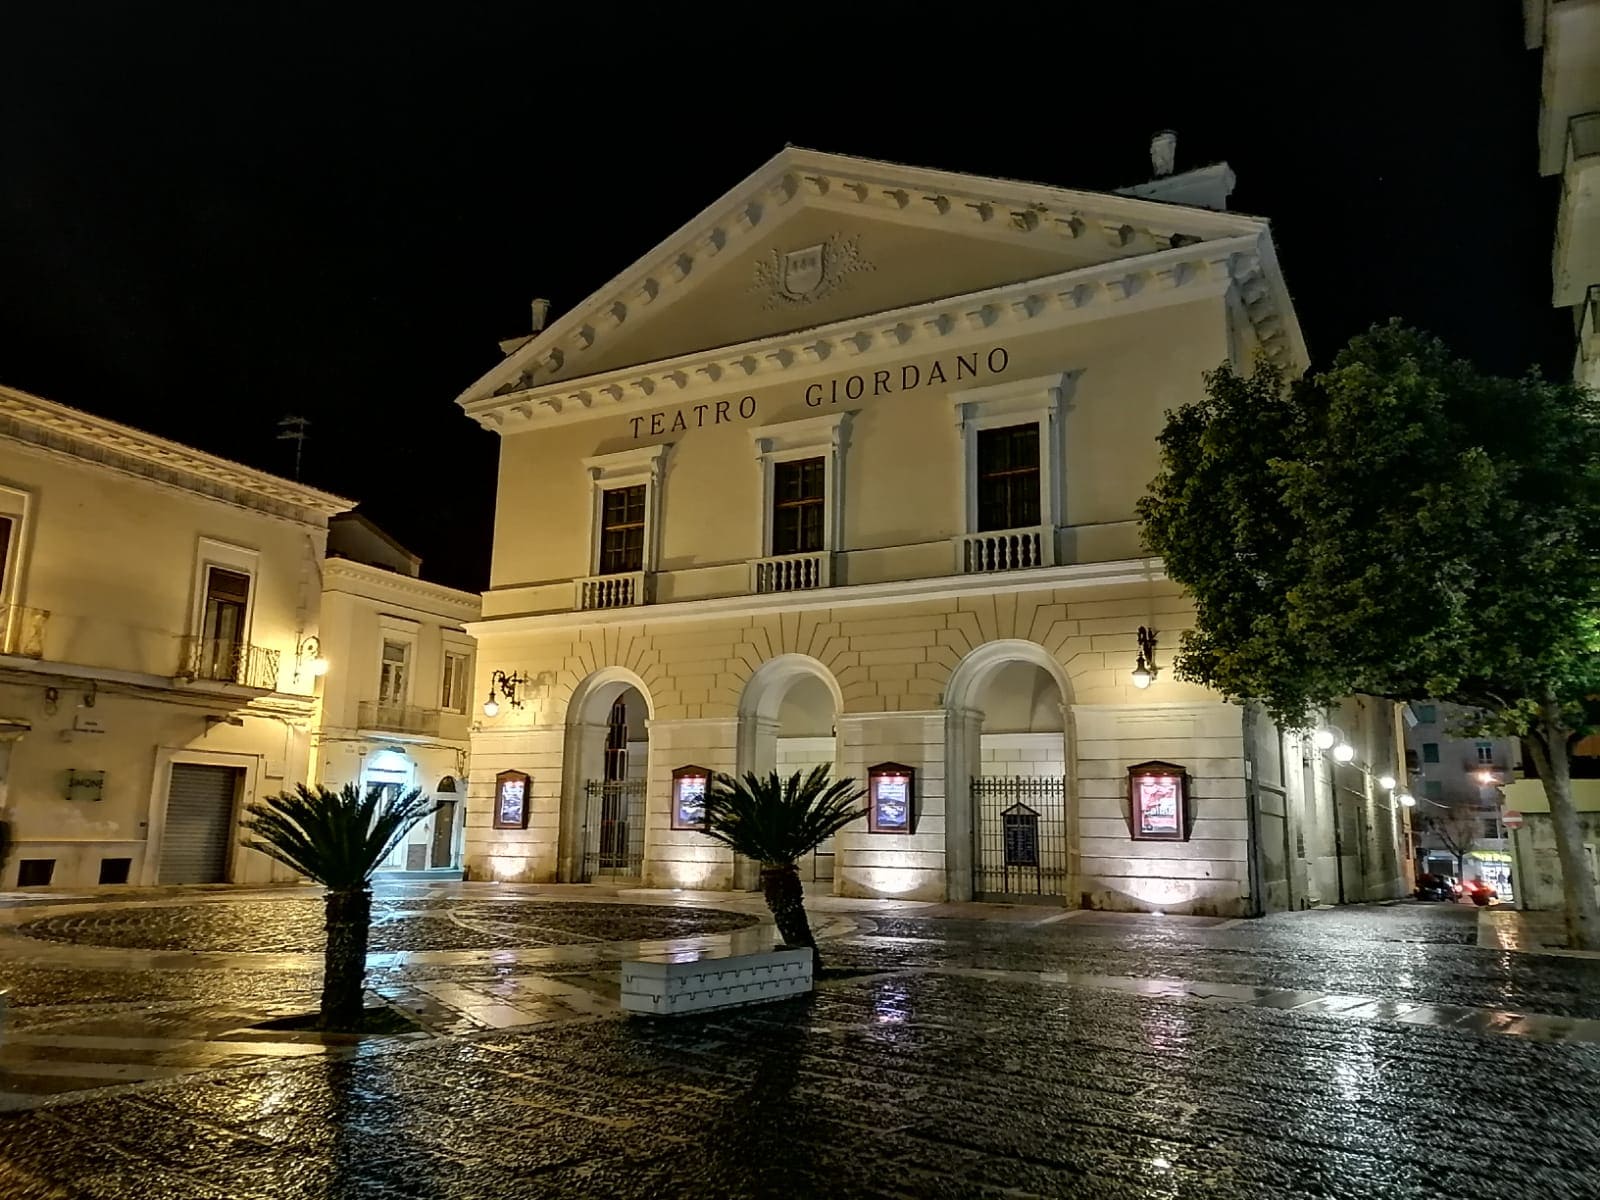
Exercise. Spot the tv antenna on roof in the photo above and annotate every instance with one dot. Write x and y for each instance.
(293, 429)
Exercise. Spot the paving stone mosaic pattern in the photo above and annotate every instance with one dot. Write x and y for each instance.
(294, 925)
(911, 1086)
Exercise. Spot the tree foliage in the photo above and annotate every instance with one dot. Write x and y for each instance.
(776, 821)
(338, 838)
(1398, 525)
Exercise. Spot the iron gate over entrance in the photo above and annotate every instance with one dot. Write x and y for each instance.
(613, 829)
(1021, 835)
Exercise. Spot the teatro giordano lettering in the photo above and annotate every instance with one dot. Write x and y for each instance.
(905, 378)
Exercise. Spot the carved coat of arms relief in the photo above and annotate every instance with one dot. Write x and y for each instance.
(793, 277)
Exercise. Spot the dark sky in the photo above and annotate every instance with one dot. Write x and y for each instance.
(215, 217)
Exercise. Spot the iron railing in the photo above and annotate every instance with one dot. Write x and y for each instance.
(1020, 835)
(398, 718)
(612, 591)
(222, 660)
(22, 630)
(1005, 550)
(790, 573)
(613, 829)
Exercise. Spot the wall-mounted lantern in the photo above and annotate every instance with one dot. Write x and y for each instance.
(507, 685)
(1144, 669)
(308, 657)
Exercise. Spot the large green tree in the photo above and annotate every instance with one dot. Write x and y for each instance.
(1400, 525)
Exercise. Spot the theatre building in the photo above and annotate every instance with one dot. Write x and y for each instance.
(844, 471)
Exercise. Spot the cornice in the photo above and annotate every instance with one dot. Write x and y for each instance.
(1038, 305)
(366, 581)
(797, 178)
(907, 591)
(35, 421)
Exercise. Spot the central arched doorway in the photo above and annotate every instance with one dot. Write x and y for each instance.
(605, 773)
(787, 719)
(1010, 827)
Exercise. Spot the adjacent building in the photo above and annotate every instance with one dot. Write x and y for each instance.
(158, 621)
(1457, 783)
(1567, 35)
(396, 696)
(845, 471)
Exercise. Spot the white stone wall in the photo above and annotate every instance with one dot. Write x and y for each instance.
(1031, 755)
(1206, 874)
(908, 866)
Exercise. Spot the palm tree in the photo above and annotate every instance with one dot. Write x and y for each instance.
(776, 823)
(337, 839)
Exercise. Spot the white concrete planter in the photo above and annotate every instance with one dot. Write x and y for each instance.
(675, 984)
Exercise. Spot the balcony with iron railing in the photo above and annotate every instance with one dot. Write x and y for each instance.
(1005, 550)
(221, 660)
(22, 630)
(791, 573)
(623, 590)
(398, 718)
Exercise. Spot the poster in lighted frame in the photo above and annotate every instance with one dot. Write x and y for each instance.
(891, 798)
(511, 800)
(689, 797)
(1158, 797)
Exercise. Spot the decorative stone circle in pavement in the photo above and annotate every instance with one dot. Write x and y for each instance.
(399, 924)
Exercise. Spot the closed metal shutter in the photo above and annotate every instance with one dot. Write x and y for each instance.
(194, 848)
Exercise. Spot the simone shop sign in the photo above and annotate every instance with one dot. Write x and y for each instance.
(905, 378)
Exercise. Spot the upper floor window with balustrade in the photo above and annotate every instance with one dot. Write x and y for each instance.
(1008, 477)
(622, 521)
(799, 506)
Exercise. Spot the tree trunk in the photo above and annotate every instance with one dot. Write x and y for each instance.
(344, 960)
(1550, 755)
(786, 899)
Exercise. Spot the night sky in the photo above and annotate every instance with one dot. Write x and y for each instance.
(211, 219)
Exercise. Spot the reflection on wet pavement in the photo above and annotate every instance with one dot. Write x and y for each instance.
(952, 1054)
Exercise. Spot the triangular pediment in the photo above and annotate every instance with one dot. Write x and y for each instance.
(812, 239)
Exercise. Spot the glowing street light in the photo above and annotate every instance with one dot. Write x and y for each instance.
(1344, 752)
(1407, 799)
(1386, 782)
(1323, 739)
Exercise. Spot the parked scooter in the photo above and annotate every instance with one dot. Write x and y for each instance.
(1480, 892)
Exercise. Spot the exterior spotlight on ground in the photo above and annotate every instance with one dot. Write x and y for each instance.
(1407, 799)
(1386, 782)
(1323, 739)
(1344, 752)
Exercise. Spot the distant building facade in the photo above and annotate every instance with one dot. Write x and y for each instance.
(399, 688)
(157, 606)
(845, 472)
(1567, 35)
(1457, 783)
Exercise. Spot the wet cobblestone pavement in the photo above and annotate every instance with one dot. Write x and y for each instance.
(294, 926)
(1320, 1054)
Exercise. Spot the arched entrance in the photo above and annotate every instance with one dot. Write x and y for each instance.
(605, 769)
(787, 718)
(1009, 828)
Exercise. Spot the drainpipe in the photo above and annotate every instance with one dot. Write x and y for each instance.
(1252, 806)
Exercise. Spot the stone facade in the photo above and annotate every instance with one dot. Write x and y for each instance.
(990, 654)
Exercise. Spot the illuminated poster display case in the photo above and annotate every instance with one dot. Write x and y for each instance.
(891, 798)
(689, 797)
(511, 800)
(1158, 798)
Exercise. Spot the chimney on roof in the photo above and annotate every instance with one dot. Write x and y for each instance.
(1163, 153)
(541, 314)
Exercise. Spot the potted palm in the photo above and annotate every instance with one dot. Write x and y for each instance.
(337, 839)
(777, 822)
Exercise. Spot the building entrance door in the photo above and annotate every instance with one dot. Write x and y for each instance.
(444, 828)
(200, 803)
(613, 829)
(1020, 835)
